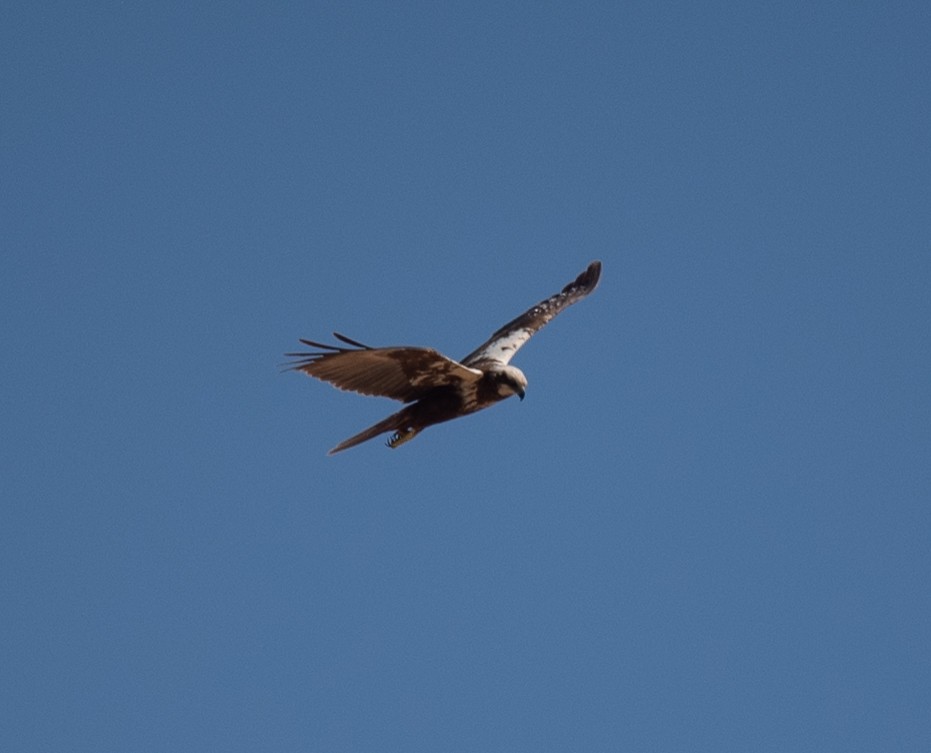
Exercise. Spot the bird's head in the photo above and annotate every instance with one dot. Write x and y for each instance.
(510, 381)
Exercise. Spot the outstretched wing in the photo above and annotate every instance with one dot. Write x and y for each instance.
(504, 343)
(401, 373)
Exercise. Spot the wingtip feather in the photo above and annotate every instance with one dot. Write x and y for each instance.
(350, 341)
(590, 277)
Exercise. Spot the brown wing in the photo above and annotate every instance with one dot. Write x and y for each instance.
(504, 343)
(401, 373)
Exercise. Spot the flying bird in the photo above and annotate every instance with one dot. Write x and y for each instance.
(435, 388)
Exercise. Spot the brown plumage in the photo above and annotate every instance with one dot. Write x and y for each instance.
(437, 388)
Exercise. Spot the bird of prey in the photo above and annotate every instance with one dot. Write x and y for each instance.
(435, 388)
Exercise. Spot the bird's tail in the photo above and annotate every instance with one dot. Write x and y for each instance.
(399, 422)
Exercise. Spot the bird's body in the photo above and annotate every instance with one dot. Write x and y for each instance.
(436, 388)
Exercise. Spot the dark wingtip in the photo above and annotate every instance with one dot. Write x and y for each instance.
(322, 351)
(312, 344)
(592, 274)
(350, 341)
(586, 281)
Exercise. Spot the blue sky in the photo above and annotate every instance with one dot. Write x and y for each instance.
(706, 528)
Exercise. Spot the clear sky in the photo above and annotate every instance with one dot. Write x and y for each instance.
(707, 528)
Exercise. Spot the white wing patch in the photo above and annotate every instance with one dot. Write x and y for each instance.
(504, 343)
(503, 348)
